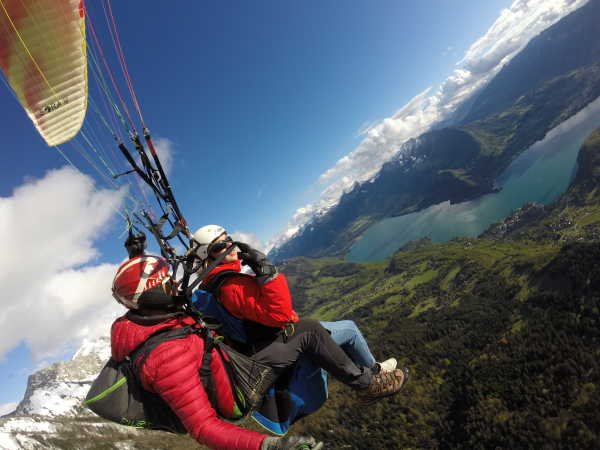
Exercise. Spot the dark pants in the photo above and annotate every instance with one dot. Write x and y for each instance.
(311, 339)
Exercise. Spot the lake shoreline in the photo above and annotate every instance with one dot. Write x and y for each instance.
(540, 174)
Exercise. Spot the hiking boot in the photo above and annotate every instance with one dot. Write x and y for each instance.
(384, 384)
(385, 366)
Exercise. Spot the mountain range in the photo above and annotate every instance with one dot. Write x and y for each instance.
(556, 75)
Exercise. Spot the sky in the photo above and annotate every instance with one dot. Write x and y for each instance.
(263, 112)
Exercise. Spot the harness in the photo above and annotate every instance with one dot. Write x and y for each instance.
(117, 393)
(243, 334)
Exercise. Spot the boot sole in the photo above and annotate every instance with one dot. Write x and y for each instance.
(406, 372)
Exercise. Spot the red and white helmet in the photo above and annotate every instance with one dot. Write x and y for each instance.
(137, 276)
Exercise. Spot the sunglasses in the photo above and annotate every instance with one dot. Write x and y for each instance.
(220, 246)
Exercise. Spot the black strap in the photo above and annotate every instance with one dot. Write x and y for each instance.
(205, 372)
(219, 279)
(256, 332)
(141, 353)
(154, 319)
(201, 276)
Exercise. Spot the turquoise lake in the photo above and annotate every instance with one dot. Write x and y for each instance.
(540, 174)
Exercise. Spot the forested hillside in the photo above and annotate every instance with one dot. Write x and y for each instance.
(502, 333)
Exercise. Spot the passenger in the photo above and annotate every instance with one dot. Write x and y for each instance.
(275, 334)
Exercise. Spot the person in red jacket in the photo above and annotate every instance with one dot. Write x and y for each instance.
(144, 286)
(276, 335)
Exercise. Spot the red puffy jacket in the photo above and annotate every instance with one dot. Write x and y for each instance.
(171, 371)
(269, 304)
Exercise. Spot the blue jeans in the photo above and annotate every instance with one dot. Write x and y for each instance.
(346, 334)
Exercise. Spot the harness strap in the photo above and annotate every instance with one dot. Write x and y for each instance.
(140, 354)
(211, 343)
(214, 285)
(205, 371)
(255, 331)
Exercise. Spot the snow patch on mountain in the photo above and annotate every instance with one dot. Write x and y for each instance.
(301, 218)
(14, 433)
(54, 400)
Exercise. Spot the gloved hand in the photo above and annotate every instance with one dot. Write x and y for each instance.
(258, 262)
(135, 244)
(291, 443)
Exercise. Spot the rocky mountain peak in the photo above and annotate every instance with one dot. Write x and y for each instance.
(60, 388)
(51, 415)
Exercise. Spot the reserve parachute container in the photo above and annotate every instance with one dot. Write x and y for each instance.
(43, 57)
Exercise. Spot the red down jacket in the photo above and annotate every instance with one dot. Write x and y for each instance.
(269, 304)
(171, 371)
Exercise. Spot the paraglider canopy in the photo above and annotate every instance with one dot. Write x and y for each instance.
(43, 57)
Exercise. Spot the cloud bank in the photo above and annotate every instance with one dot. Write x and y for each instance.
(249, 238)
(54, 291)
(509, 34)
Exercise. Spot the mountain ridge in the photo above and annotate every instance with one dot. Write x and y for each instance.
(546, 101)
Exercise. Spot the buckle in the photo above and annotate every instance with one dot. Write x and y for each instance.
(288, 330)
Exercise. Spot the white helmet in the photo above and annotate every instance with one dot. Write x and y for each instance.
(205, 236)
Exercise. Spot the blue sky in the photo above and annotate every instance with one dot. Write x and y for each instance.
(248, 90)
(254, 102)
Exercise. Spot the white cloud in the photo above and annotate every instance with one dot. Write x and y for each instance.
(53, 294)
(7, 408)
(164, 149)
(249, 238)
(508, 35)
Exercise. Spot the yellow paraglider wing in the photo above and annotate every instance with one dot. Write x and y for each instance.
(43, 57)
